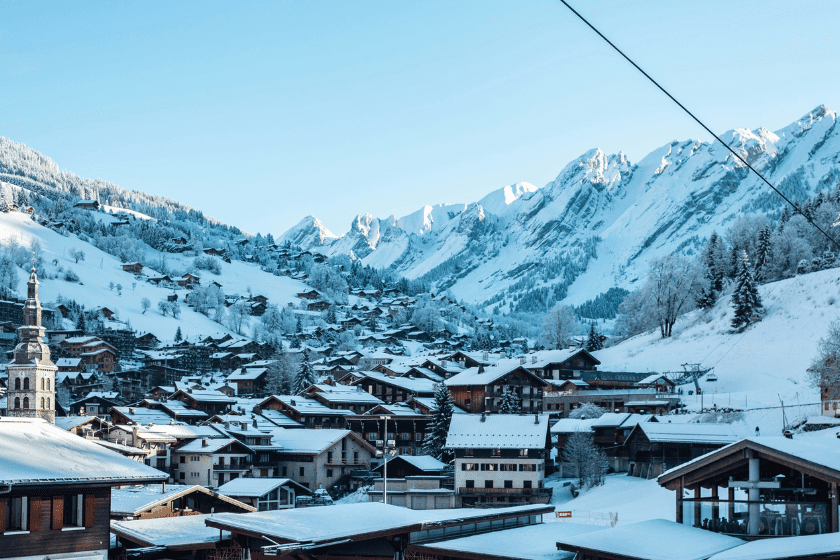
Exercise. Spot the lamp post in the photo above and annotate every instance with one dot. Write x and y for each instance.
(388, 448)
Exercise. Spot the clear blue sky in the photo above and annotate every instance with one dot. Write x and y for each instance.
(262, 113)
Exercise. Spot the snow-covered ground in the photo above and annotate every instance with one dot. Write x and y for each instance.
(99, 269)
(633, 499)
(756, 369)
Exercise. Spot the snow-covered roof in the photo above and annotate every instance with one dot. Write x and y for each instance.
(357, 520)
(246, 374)
(656, 539)
(533, 542)
(70, 422)
(822, 452)
(68, 362)
(413, 385)
(811, 546)
(689, 433)
(197, 446)
(429, 402)
(483, 375)
(346, 393)
(572, 425)
(497, 431)
(171, 532)
(424, 462)
(257, 487)
(307, 440)
(140, 415)
(132, 500)
(32, 451)
(610, 420)
(547, 357)
(309, 406)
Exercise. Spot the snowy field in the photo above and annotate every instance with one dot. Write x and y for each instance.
(99, 269)
(756, 368)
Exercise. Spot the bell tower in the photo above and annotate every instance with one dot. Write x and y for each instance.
(31, 392)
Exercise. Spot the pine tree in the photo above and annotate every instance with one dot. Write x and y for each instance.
(764, 252)
(713, 275)
(80, 324)
(298, 327)
(331, 319)
(178, 336)
(278, 379)
(438, 427)
(593, 342)
(295, 342)
(783, 219)
(510, 403)
(306, 375)
(745, 298)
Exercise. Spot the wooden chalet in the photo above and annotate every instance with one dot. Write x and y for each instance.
(58, 508)
(406, 427)
(157, 501)
(87, 204)
(133, 267)
(309, 294)
(480, 389)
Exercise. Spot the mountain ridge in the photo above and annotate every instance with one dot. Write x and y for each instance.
(601, 219)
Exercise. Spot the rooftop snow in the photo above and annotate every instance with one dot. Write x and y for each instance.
(32, 451)
(497, 431)
(169, 531)
(255, 487)
(656, 539)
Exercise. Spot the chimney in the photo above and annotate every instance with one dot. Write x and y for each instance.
(227, 425)
(521, 360)
(480, 369)
(255, 422)
(205, 442)
(131, 411)
(244, 426)
(293, 402)
(483, 417)
(462, 363)
(443, 363)
(257, 409)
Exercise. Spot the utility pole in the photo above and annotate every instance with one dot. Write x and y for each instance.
(387, 447)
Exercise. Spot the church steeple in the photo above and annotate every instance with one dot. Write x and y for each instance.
(31, 373)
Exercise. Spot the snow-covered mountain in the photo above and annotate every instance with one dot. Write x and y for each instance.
(599, 222)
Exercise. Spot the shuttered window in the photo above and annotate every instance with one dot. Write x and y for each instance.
(57, 513)
(3, 515)
(34, 514)
(90, 510)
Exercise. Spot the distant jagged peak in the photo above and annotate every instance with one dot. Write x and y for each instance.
(594, 167)
(429, 218)
(309, 232)
(498, 201)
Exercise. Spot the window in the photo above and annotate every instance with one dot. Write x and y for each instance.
(488, 484)
(469, 452)
(470, 483)
(523, 452)
(48, 385)
(301, 471)
(26, 403)
(17, 403)
(355, 457)
(497, 453)
(469, 466)
(181, 476)
(526, 484)
(48, 404)
(466, 402)
(17, 384)
(74, 510)
(329, 456)
(182, 459)
(508, 484)
(418, 436)
(528, 468)
(43, 382)
(42, 403)
(489, 467)
(285, 471)
(17, 514)
(329, 473)
(507, 467)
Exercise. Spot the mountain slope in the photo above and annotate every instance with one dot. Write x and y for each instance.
(599, 222)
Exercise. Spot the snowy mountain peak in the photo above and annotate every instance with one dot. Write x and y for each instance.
(308, 233)
(498, 201)
(428, 218)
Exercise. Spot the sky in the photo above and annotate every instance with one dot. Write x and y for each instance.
(260, 113)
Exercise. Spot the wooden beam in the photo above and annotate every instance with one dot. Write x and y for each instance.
(835, 522)
(679, 517)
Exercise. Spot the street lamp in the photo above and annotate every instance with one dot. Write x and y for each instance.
(386, 447)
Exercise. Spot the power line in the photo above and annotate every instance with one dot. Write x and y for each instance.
(690, 114)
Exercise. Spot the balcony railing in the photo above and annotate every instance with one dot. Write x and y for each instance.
(338, 461)
(506, 491)
(232, 467)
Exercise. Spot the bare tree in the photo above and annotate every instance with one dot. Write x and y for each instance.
(824, 372)
(588, 460)
(559, 326)
(672, 283)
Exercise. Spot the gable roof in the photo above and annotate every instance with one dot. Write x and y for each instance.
(137, 499)
(313, 441)
(818, 454)
(485, 375)
(492, 431)
(33, 451)
(662, 432)
(258, 487)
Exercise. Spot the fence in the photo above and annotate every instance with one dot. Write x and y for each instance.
(588, 517)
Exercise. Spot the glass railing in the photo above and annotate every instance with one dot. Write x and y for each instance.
(776, 519)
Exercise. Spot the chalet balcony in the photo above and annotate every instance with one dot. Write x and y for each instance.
(238, 467)
(339, 462)
(505, 491)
